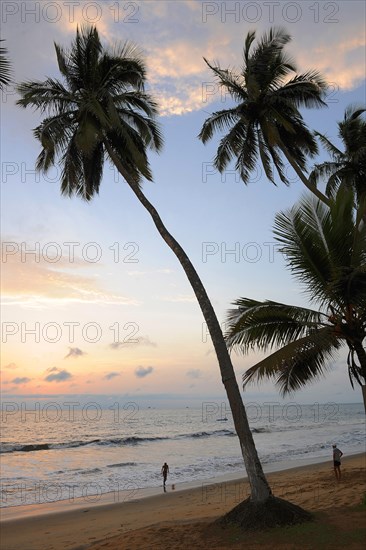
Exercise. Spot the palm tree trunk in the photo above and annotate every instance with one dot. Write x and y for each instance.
(260, 489)
(363, 387)
(361, 355)
(302, 177)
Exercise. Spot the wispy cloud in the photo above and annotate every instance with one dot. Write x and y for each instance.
(75, 352)
(145, 341)
(194, 373)
(39, 284)
(187, 31)
(57, 375)
(138, 341)
(179, 75)
(11, 366)
(21, 380)
(111, 375)
(141, 372)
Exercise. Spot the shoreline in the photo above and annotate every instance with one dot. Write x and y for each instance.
(311, 486)
(14, 512)
(114, 498)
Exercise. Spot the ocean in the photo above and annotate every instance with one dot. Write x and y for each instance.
(51, 453)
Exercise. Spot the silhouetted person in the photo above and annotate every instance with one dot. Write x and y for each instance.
(337, 454)
(164, 471)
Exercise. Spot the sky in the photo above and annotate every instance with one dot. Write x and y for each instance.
(94, 304)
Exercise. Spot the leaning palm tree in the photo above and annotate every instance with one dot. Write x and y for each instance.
(101, 111)
(266, 123)
(347, 167)
(325, 248)
(5, 67)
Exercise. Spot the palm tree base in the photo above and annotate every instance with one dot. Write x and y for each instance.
(252, 515)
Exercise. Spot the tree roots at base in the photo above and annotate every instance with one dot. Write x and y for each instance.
(273, 512)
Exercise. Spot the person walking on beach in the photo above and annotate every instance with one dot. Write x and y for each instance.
(337, 454)
(165, 471)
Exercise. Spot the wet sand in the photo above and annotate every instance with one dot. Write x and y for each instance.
(125, 525)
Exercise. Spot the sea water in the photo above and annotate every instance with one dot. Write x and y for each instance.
(53, 453)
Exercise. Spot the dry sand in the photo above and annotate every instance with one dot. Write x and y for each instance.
(181, 519)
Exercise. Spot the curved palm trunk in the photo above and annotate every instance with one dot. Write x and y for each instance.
(302, 177)
(363, 387)
(361, 354)
(260, 489)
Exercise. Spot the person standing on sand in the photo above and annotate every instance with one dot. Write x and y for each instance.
(337, 454)
(165, 471)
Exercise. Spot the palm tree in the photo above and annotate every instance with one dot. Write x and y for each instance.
(266, 122)
(99, 111)
(325, 249)
(5, 68)
(348, 167)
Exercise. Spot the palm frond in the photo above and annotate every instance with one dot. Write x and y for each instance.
(268, 324)
(248, 154)
(299, 362)
(274, 39)
(5, 67)
(323, 171)
(333, 151)
(229, 80)
(280, 167)
(139, 101)
(266, 155)
(300, 232)
(93, 162)
(148, 129)
(247, 45)
(72, 170)
(54, 134)
(304, 90)
(230, 146)
(49, 96)
(218, 121)
(122, 74)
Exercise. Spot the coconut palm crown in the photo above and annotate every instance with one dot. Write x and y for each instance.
(99, 109)
(347, 167)
(266, 124)
(325, 249)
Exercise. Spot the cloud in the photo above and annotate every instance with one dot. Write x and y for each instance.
(34, 281)
(145, 341)
(75, 352)
(23, 380)
(187, 31)
(141, 372)
(182, 97)
(58, 375)
(111, 375)
(139, 341)
(11, 366)
(194, 373)
(179, 75)
(342, 61)
(176, 59)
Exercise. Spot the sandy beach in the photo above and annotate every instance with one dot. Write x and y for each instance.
(163, 521)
